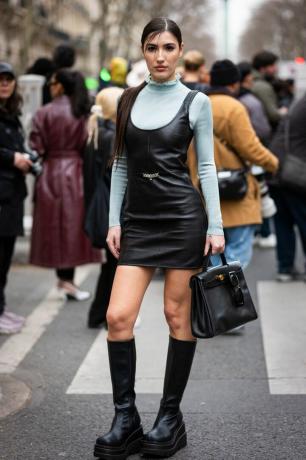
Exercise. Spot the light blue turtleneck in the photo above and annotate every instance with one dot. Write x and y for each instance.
(155, 106)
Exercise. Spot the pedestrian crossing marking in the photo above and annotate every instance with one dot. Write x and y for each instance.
(16, 347)
(283, 322)
(93, 375)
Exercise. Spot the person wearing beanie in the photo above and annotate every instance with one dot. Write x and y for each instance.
(264, 72)
(224, 73)
(194, 66)
(236, 144)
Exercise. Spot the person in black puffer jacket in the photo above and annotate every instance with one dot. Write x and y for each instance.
(13, 166)
(97, 175)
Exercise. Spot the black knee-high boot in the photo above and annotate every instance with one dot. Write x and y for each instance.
(125, 435)
(168, 434)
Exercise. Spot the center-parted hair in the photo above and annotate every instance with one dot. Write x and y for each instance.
(155, 27)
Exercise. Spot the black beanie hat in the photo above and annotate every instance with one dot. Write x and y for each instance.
(224, 73)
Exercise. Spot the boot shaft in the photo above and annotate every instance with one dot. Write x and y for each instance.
(179, 361)
(122, 363)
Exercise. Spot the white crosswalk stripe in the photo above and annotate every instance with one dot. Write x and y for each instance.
(283, 326)
(16, 347)
(283, 321)
(93, 375)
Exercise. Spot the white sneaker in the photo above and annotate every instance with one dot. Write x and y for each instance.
(13, 317)
(284, 277)
(268, 242)
(9, 327)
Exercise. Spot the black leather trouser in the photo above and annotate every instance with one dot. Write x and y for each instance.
(98, 308)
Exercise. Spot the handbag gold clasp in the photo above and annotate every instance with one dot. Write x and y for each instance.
(220, 277)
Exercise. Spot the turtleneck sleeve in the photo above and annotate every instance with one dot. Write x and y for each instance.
(146, 114)
(118, 187)
(200, 116)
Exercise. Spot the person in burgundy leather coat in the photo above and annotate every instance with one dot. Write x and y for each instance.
(59, 134)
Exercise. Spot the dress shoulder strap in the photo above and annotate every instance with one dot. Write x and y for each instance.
(188, 99)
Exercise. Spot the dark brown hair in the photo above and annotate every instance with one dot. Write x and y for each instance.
(13, 104)
(74, 87)
(155, 27)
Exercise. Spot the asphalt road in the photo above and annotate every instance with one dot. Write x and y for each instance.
(246, 398)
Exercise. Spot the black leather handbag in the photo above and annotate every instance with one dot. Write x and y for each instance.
(220, 299)
(233, 184)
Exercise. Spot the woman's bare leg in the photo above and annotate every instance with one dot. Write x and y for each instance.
(168, 434)
(177, 301)
(129, 287)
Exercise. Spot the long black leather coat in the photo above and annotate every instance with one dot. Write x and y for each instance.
(11, 141)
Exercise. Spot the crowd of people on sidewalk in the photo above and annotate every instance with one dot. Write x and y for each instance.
(255, 126)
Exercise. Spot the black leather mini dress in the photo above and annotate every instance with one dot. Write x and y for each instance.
(164, 222)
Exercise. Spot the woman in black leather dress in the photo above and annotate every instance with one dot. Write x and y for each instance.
(163, 224)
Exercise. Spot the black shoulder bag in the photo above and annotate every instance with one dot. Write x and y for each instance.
(233, 183)
(220, 299)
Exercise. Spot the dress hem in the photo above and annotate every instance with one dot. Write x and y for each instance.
(159, 266)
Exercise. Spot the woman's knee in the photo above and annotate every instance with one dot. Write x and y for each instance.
(175, 314)
(118, 321)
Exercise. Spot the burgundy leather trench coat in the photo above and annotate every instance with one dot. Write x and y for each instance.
(58, 239)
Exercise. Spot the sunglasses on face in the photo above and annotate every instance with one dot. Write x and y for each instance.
(6, 78)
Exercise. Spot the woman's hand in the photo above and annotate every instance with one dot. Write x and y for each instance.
(216, 243)
(22, 162)
(113, 240)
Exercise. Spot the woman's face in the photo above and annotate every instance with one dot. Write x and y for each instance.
(7, 86)
(162, 53)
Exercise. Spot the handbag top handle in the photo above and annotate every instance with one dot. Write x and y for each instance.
(206, 259)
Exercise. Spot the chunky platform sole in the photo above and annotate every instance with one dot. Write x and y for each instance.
(167, 449)
(132, 446)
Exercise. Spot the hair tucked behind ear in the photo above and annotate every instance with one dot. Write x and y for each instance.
(125, 105)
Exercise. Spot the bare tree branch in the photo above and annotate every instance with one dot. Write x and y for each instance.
(278, 25)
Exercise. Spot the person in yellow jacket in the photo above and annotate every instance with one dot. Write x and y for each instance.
(235, 138)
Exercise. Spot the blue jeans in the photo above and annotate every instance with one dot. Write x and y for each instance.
(238, 245)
